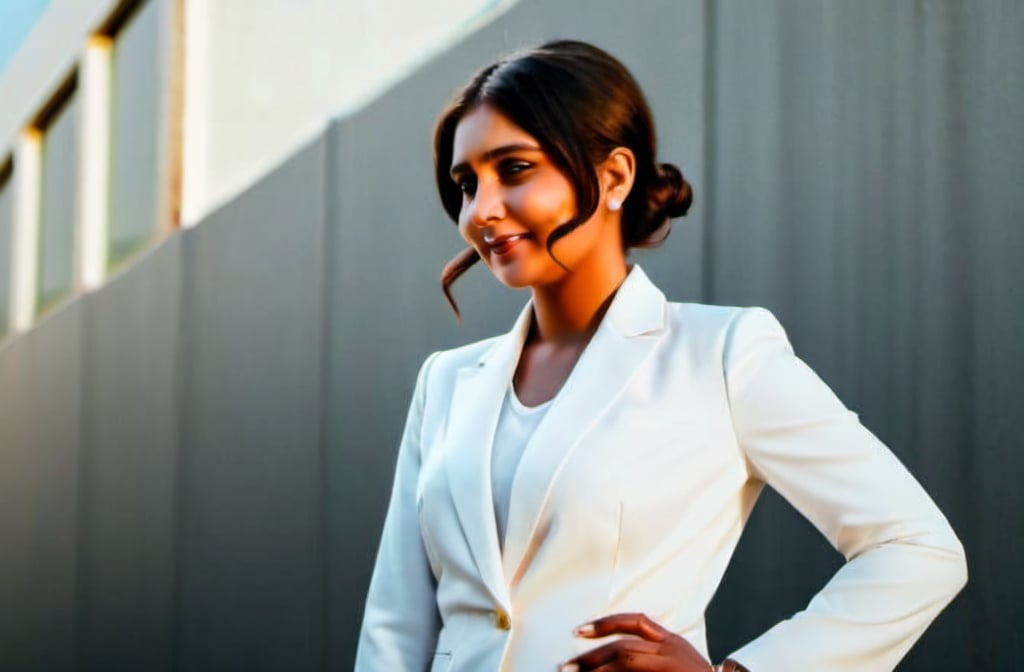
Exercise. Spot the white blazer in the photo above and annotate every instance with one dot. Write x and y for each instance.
(631, 496)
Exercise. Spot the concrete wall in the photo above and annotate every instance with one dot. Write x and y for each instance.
(862, 174)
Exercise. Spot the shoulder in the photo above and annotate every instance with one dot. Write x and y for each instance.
(736, 342)
(739, 338)
(724, 325)
(701, 316)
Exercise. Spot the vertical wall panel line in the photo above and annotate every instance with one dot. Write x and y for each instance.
(707, 291)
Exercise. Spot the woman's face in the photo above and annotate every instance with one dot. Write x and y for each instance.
(513, 198)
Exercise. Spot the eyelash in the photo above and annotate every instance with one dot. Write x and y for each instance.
(508, 169)
(515, 167)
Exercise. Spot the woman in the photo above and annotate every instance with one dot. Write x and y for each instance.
(568, 494)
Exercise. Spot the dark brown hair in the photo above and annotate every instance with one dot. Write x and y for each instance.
(580, 103)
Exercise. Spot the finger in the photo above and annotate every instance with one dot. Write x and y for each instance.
(618, 650)
(629, 624)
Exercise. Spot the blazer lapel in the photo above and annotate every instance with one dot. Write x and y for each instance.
(473, 417)
(626, 336)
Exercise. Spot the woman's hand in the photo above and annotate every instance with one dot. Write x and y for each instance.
(655, 649)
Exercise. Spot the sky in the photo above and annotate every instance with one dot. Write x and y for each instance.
(16, 20)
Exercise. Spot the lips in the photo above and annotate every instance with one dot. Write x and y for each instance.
(505, 243)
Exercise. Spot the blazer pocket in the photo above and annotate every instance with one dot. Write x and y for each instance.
(584, 644)
(613, 575)
(442, 661)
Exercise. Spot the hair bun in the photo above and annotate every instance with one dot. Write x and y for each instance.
(669, 194)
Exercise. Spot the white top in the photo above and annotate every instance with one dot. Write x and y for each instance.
(516, 425)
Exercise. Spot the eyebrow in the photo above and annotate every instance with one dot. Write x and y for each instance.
(493, 155)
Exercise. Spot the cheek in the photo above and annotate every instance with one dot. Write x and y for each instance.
(547, 207)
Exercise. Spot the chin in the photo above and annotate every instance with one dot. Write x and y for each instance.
(522, 278)
(515, 275)
(527, 270)
(514, 279)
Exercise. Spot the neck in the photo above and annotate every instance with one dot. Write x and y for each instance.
(568, 311)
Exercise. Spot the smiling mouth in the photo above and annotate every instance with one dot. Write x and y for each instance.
(506, 244)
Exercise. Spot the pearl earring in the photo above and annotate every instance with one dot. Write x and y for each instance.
(614, 204)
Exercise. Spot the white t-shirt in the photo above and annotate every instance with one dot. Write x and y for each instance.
(516, 425)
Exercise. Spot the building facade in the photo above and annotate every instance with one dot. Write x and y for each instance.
(219, 257)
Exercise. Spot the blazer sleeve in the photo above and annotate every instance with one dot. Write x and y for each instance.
(904, 562)
(401, 621)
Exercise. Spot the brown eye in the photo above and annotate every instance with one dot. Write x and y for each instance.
(513, 168)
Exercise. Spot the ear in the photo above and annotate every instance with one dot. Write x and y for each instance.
(616, 175)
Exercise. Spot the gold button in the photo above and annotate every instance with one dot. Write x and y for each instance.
(502, 620)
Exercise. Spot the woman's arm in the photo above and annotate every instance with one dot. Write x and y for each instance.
(401, 623)
(904, 562)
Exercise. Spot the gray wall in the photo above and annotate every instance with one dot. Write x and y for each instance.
(194, 461)
(863, 181)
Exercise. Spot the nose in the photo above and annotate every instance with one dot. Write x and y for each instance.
(488, 204)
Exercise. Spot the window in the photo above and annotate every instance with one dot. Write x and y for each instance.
(57, 205)
(135, 131)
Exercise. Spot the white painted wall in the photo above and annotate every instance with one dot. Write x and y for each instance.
(263, 77)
